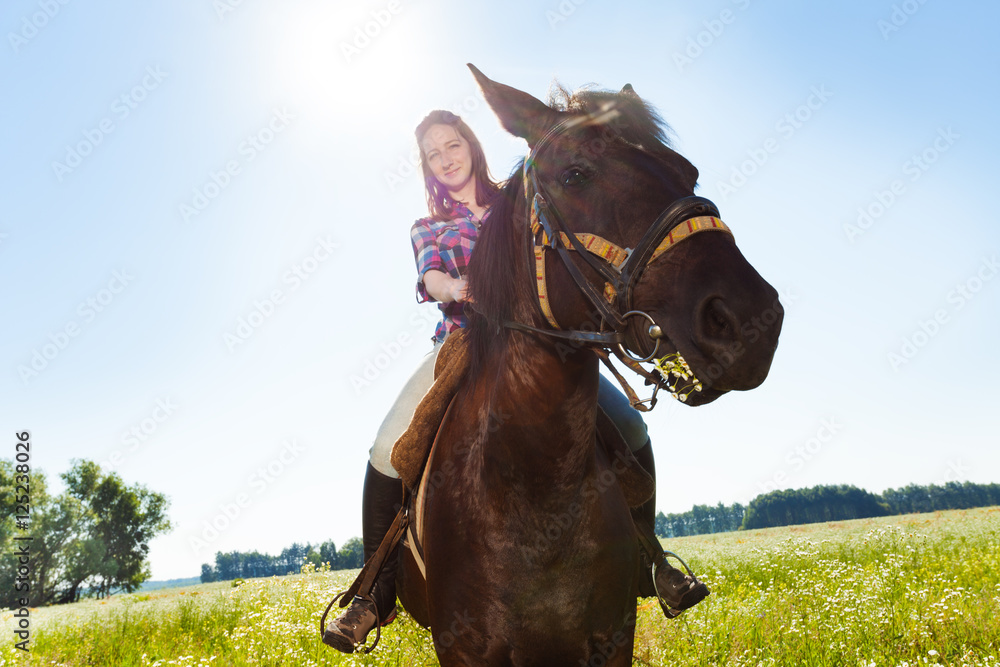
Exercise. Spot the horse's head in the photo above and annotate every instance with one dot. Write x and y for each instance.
(601, 165)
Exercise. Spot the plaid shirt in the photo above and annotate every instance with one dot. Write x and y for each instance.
(445, 246)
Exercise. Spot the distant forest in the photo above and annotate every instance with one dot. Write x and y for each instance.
(825, 503)
(244, 565)
(777, 508)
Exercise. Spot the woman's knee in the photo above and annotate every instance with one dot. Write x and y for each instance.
(628, 420)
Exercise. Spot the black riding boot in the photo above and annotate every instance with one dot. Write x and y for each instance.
(677, 591)
(379, 505)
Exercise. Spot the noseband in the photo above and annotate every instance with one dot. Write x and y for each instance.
(620, 268)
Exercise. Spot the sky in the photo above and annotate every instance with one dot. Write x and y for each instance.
(207, 284)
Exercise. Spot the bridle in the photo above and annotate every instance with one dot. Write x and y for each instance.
(620, 268)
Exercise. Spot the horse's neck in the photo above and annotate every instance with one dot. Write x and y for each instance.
(542, 415)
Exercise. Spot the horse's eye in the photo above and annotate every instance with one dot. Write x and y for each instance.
(573, 176)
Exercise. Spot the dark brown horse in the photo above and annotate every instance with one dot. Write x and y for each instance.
(531, 554)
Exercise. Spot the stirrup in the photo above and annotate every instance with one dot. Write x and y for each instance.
(361, 648)
(669, 611)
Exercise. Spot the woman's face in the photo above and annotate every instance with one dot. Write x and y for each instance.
(448, 156)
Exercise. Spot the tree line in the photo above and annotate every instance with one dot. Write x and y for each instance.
(90, 540)
(825, 503)
(244, 565)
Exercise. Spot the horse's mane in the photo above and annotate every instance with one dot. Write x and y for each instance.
(498, 274)
(500, 278)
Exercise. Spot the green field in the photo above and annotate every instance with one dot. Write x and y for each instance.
(906, 590)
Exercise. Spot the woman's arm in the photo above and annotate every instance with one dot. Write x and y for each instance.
(444, 288)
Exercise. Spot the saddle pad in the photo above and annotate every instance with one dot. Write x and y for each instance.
(409, 453)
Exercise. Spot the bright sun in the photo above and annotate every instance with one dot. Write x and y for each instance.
(336, 56)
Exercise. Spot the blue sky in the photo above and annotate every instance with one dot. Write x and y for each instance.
(204, 249)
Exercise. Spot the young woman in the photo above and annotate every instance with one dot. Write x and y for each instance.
(459, 194)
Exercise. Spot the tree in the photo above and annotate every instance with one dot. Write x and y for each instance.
(328, 554)
(352, 554)
(91, 539)
(124, 519)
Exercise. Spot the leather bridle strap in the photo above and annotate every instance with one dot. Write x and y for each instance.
(619, 267)
(657, 238)
(540, 212)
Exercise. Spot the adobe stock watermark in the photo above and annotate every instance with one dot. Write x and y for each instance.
(140, 432)
(900, 16)
(420, 324)
(620, 640)
(563, 11)
(87, 312)
(559, 525)
(32, 24)
(248, 150)
(295, 277)
(957, 299)
(258, 482)
(370, 30)
(697, 45)
(956, 472)
(224, 7)
(121, 108)
(797, 457)
(786, 127)
(913, 169)
(449, 468)
(446, 639)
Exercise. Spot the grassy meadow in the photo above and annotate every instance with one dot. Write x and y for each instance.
(908, 590)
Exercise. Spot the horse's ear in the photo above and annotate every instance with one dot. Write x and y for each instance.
(629, 90)
(521, 114)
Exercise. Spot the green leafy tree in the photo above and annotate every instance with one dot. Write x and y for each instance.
(123, 520)
(93, 538)
(351, 554)
(328, 554)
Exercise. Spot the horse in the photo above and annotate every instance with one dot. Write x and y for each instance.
(530, 555)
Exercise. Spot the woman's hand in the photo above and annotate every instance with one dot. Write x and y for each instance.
(446, 289)
(459, 290)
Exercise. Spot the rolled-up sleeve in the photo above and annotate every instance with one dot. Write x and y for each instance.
(426, 255)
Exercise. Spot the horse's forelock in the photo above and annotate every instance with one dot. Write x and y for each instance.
(637, 122)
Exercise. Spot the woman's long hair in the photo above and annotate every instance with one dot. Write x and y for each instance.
(440, 206)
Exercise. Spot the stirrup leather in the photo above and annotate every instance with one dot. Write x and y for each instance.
(365, 581)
